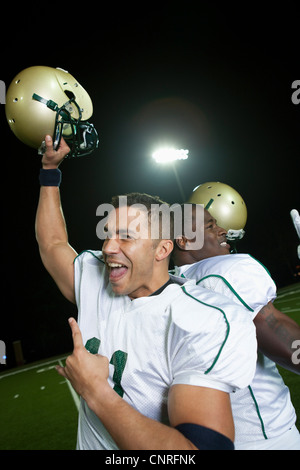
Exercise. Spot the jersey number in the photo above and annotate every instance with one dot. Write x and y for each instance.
(118, 360)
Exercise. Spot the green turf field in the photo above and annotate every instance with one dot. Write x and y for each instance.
(288, 301)
(39, 410)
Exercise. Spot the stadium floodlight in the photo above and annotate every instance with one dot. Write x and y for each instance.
(169, 154)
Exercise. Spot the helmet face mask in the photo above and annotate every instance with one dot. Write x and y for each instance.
(44, 100)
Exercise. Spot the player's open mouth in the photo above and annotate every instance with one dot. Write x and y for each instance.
(225, 245)
(116, 271)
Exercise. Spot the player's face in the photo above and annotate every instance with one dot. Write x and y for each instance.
(129, 253)
(215, 242)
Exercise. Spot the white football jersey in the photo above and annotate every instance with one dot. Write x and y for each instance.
(264, 409)
(184, 335)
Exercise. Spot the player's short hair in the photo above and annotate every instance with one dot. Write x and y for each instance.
(138, 198)
(150, 202)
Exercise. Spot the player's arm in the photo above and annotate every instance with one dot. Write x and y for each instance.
(51, 233)
(203, 414)
(276, 333)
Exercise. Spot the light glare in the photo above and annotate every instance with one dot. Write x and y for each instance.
(166, 155)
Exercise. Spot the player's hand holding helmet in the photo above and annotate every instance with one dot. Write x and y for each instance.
(47, 101)
(52, 158)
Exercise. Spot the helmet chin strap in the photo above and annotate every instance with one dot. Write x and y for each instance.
(49, 103)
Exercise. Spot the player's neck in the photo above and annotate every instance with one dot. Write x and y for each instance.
(153, 285)
(185, 257)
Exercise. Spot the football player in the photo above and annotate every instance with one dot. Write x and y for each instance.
(263, 413)
(161, 355)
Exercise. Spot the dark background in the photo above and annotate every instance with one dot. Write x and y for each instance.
(213, 79)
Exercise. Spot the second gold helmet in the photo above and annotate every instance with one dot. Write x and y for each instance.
(225, 204)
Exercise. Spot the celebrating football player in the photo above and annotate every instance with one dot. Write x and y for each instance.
(168, 353)
(263, 413)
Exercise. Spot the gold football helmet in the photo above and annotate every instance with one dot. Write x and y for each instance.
(225, 204)
(44, 100)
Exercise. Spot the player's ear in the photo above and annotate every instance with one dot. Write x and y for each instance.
(181, 242)
(164, 249)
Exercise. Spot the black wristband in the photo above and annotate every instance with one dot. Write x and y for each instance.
(50, 177)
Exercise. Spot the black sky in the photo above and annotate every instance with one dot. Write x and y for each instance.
(216, 80)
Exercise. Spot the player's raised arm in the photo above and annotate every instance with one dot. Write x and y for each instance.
(51, 233)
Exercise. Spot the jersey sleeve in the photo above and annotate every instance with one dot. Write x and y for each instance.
(89, 282)
(215, 345)
(246, 281)
(88, 269)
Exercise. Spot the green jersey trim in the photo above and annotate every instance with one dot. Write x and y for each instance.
(91, 253)
(229, 286)
(227, 328)
(258, 413)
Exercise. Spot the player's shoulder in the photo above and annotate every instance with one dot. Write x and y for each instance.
(206, 297)
(89, 265)
(207, 307)
(212, 324)
(246, 258)
(90, 257)
(237, 262)
(215, 264)
(229, 260)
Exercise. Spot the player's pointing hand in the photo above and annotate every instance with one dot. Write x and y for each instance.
(76, 334)
(85, 371)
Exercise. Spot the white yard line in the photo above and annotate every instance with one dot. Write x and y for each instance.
(2, 376)
(72, 391)
(290, 310)
(284, 294)
(41, 368)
